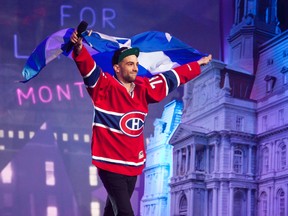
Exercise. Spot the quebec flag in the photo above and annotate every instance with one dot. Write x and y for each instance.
(159, 51)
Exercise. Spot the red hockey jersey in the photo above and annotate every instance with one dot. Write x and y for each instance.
(117, 137)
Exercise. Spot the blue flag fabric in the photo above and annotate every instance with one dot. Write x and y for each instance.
(159, 51)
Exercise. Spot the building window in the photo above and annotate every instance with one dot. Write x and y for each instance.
(284, 71)
(212, 167)
(189, 158)
(281, 117)
(52, 211)
(95, 208)
(147, 210)
(32, 133)
(239, 205)
(183, 161)
(76, 137)
(50, 177)
(153, 209)
(283, 155)
(285, 53)
(239, 123)
(264, 11)
(7, 174)
(21, 134)
(282, 16)
(65, 137)
(263, 205)
(1, 133)
(270, 61)
(265, 160)
(216, 123)
(183, 205)
(281, 202)
(11, 134)
(270, 83)
(285, 79)
(238, 161)
(210, 202)
(86, 138)
(264, 123)
(93, 176)
(178, 162)
(200, 160)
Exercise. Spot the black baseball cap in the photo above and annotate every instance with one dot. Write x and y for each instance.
(123, 52)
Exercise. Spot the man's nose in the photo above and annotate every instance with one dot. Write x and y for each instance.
(135, 68)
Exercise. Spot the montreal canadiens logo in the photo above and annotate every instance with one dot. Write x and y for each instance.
(132, 123)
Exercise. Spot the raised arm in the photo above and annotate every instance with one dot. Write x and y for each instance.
(83, 59)
(77, 41)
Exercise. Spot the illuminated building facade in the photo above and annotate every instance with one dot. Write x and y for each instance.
(158, 170)
(230, 150)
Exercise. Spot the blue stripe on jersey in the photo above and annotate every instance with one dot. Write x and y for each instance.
(93, 77)
(171, 79)
(107, 119)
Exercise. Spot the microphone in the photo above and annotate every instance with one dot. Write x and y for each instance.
(80, 29)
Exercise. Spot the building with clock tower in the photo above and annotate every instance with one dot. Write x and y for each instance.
(230, 149)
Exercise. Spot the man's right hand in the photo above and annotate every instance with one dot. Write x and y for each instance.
(77, 41)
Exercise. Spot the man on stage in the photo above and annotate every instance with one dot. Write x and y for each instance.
(120, 108)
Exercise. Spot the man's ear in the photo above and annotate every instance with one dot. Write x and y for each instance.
(116, 68)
